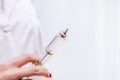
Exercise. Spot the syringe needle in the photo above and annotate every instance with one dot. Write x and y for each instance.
(66, 31)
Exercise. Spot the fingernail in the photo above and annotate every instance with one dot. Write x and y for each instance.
(50, 75)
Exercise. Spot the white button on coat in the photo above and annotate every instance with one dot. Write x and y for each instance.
(19, 30)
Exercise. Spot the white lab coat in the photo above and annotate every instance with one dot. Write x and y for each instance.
(19, 30)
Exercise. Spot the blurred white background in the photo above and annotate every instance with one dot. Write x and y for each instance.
(92, 49)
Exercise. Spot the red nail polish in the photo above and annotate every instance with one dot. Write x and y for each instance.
(50, 75)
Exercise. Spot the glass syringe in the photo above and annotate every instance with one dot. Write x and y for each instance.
(52, 47)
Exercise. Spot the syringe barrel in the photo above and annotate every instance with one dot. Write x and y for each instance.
(53, 46)
(56, 43)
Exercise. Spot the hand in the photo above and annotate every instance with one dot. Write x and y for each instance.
(12, 70)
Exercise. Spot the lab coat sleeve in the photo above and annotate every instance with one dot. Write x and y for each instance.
(38, 45)
(36, 26)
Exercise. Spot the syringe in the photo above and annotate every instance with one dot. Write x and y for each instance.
(52, 47)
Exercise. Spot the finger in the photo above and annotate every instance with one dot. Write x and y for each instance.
(33, 71)
(43, 78)
(2, 67)
(23, 59)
